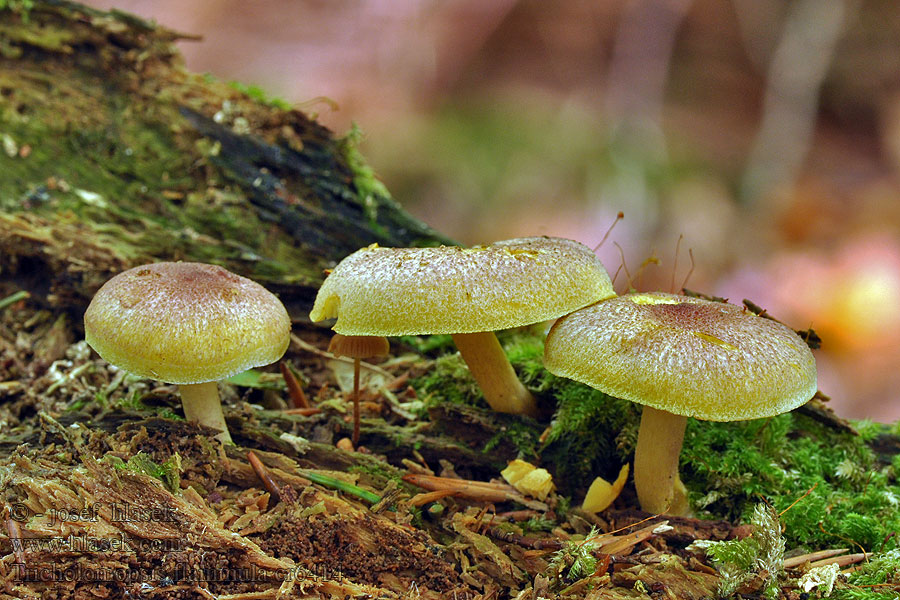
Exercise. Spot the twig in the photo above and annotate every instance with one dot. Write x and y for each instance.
(427, 497)
(304, 412)
(298, 398)
(842, 561)
(273, 488)
(622, 544)
(796, 561)
(521, 540)
(471, 490)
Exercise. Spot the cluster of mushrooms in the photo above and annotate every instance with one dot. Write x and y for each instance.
(678, 356)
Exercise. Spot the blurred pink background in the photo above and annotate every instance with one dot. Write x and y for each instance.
(765, 133)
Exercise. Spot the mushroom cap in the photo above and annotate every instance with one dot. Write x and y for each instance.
(449, 289)
(683, 355)
(186, 322)
(358, 346)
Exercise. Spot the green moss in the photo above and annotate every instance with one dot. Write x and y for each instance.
(260, 95)
(169, 473)
(526, 353)
(575, 560)
(22, 7)
(132, 402)
(536, 524)
(591, 434)
(878, 579)
(852, 498)
(430, 345)
(378, 473)
(369, 189)
(524, 436)
(449, 380)
(761, 553)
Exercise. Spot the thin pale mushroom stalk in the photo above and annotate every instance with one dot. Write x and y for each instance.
(357, 347)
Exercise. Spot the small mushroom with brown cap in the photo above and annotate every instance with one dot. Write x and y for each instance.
(357, 347)
(468, 293)
(680, 357)
(187, 323)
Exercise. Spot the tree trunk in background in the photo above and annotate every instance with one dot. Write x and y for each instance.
(114, 155)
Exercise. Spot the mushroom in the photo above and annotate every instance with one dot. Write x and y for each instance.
(357, 347)
(187, 323)
(680, 357)
(468, 293)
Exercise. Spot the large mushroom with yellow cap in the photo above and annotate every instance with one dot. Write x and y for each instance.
(680, 357)
(467, 292)
(187, 323)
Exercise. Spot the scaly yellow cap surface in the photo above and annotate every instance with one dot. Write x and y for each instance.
(186, 323)
(416, 291)
(683, 355)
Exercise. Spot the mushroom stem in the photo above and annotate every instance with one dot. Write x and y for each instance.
(495, 376)
(355, 402)
(659, 489)
(201, 405)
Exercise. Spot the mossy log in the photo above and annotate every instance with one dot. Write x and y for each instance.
(114, 155)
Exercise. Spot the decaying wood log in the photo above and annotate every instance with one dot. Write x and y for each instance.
(115, 155)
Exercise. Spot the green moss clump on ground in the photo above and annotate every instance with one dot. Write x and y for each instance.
(853, 496)
(878, 579)
(739, 561)
(526, 353)
(591, 435)
(524, 436)
(449, 380)
(378, 473)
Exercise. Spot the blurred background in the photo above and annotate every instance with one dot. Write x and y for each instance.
(762, 134)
